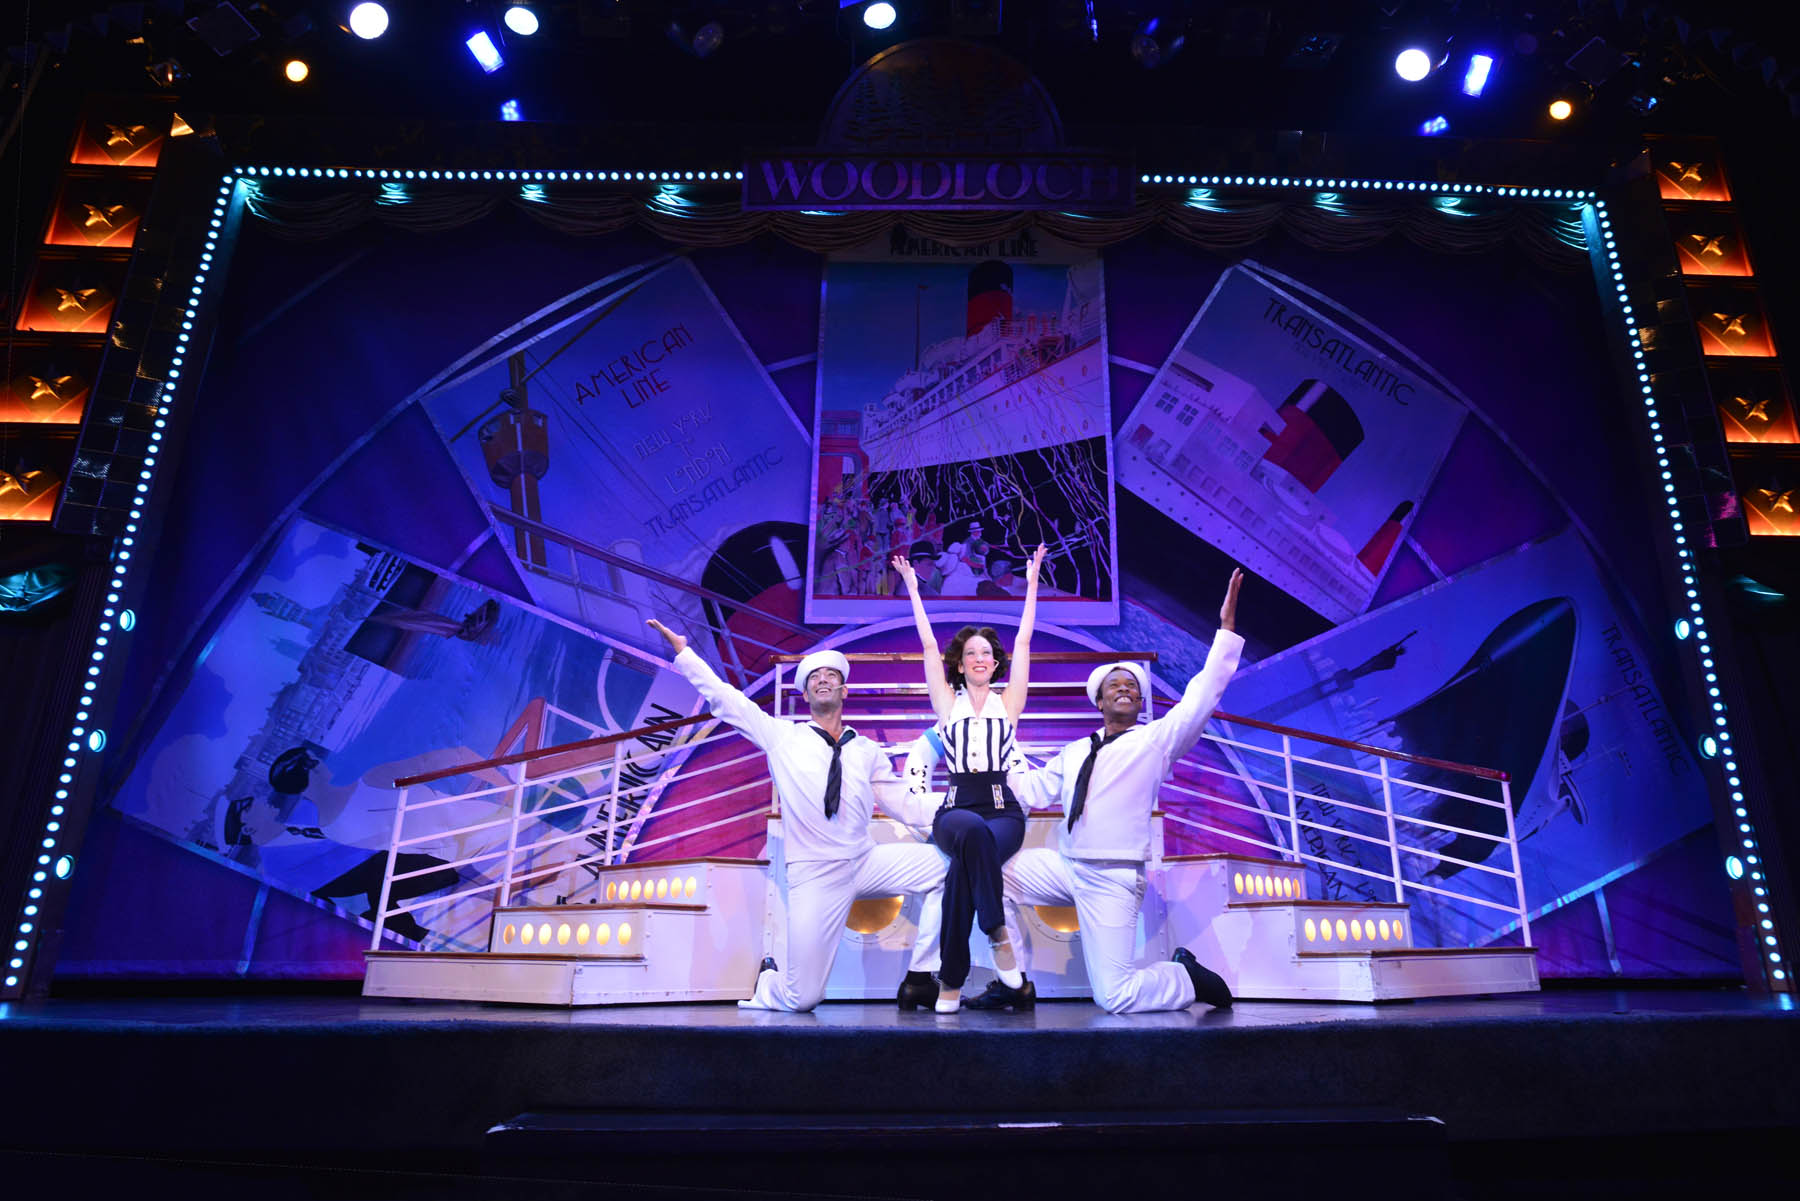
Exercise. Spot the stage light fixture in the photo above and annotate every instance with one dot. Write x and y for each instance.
(1476, 77)
(879, 15)
(368, 21)
(1156, 42)
(485, 52)
(511, 111)
(1435, 125)
(296, 70)
(1560, 109)
(521, 20)
(65, 867)
(1412, 64)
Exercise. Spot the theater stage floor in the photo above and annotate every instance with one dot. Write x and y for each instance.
(410, 1084)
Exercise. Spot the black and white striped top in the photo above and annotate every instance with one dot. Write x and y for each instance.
(977, 742)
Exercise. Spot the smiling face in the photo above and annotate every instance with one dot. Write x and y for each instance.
(978, 660)
(825, 689)
(1120, 698)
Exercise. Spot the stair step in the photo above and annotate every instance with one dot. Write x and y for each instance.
(1420, 952)
(1304, 904)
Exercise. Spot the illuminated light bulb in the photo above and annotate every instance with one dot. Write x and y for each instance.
(582, 934)
(1385, 929)
(1237, 882)
(1325, 929)
(1412, 64)
(1312, 930)
(296, 70)
(544, 934)
(1343, 931)
(1398, 933)
(563, 933)
(368, 21)
(1356, 929)
(637, 890)
(691, 887)
(1560, 110)
(612, 890)
(507, 935)
(662, 890)
(624, 933)
(527, 935)
(602, 934)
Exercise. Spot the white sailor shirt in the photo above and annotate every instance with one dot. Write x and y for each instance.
(799, 760)
(1115, 821)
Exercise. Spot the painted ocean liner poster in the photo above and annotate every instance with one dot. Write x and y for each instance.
(962, 418)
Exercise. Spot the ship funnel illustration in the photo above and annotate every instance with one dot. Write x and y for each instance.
(1320, 431)
(990, 295)
(1500, 709)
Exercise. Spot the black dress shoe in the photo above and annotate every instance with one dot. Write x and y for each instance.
(767, 965)
(1209, 986)
(998, 996)
(919, 990)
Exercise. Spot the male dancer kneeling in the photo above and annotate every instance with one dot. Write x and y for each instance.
(1106, 784)
(829, 781)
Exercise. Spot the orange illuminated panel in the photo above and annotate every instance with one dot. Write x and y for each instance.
(100, 210)
(48, 384)
(31, 475)
(1754, 405)
(1689, 171)
(72, 296)
(1708, 242)
(1730, 321)
(116, 141)
(1770, 491)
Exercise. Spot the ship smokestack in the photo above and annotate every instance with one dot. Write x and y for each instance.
(990, 295)
(1320, 431)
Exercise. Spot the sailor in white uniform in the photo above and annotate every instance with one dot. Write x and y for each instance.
(1107, 785)
(829, 781)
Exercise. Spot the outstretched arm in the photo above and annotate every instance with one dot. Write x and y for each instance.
(1179, 729)
(1019, 670)
(727, 703)
(935, 683)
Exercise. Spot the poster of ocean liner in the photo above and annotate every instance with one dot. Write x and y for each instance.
(1283, 432)
(962, 418)
(1528, 664)
(339, 667)
(636, 427)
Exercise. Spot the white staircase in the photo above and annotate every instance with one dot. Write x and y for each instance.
(696, 929)
(679, 930)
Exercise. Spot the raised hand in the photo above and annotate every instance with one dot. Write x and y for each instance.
(677, 643)
(903, 565)
(1228, 610)
(1037, 562)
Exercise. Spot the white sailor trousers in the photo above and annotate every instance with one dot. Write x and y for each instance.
(1107, 896)
(819, 895)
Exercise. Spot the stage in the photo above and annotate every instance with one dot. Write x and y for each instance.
(383, 1097)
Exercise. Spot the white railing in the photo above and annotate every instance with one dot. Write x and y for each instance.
(611, 796)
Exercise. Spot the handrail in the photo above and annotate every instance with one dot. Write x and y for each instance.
(650, 573)
(544, 752)
(1036, 656)
(1485, 773)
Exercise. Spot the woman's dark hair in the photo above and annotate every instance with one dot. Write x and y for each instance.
(954, 652)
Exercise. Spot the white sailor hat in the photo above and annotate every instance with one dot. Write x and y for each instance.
(1106, 669)
(818, 659)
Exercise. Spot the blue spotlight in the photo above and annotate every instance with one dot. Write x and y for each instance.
(368, 21)
(521, 20)
(1412, 64)
(1477, 75)
(1709, 747)
(1436, 125)
(1683, 628)
(485, 52)
(879, 15)
(510, 111)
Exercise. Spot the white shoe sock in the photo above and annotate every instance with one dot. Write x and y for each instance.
(949, 1000)
(1005, 965)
